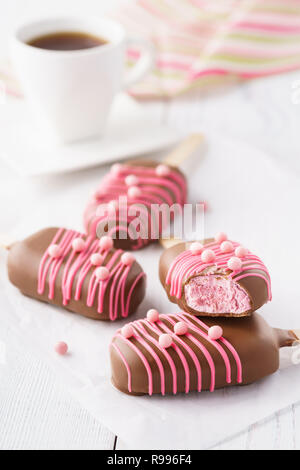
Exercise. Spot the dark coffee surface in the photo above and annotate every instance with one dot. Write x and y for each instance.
(67, 41)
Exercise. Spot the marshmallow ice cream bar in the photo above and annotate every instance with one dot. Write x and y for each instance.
(169, 354)
(132, 190)
(81, 273)
(217, 277)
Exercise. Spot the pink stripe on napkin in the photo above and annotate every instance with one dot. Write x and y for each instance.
(199, 41)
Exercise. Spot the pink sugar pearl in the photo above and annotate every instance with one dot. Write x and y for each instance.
(96, 259)
(54, 251)
(196, 248)
(127, 331)
(234, 263)
(241, 252)
(226, 247)
(162, 170)
(208, 256)
(165, 340)
(102, 273)
(127, 259)
(131, 180)
(106, 243)
(116, 168)
(61, 348)
(152, 315)
(134, 192)
(215, 332)
(180, 328)
(221, 237)
(78, 244)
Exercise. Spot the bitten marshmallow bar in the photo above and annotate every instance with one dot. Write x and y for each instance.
(130, 191)
(217, 277)
(78, 272)
(168, 354)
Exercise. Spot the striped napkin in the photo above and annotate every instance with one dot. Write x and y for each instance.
(203, 42)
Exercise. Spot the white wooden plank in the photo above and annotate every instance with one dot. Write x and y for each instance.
(37, 413)
(285, 436)
(262, 435)
(238, 442)
(296, 424)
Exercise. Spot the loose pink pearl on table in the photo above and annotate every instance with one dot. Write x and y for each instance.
(165, 340)
(152, 315)
(226, 247)
(134, 192)
(102, 273)
(234, 263)
(78, 244)
(127, 259)
(127, 331)
(215, 332)
(131, 180)
(221, 237)
(106, 243)
(54, 251)
(196, 248)
(208, 256)
(241, 251)
(96, 259)
(180, 328)
(61, 348)
(162, 170)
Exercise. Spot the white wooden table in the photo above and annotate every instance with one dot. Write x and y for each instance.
(35, 410)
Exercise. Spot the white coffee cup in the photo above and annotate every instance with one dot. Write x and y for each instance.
(71, 92)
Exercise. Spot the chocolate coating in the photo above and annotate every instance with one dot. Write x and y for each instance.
(153, 191)
(255, 285)
(24, 262)
(255, 342)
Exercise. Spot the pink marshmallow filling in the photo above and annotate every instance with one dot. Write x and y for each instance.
(216, 294)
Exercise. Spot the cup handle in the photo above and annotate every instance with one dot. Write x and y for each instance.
(143, 65)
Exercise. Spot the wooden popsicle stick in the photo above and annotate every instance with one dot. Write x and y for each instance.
(175, 158)
(169, 242)
(184, 150)
(296, 333)
(5, 241)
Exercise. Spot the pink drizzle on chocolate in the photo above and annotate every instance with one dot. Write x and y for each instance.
(181, 347)
(213, 275)
(151, 186)
(77, 265)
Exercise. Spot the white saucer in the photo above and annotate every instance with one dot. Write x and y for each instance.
(132, 130)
